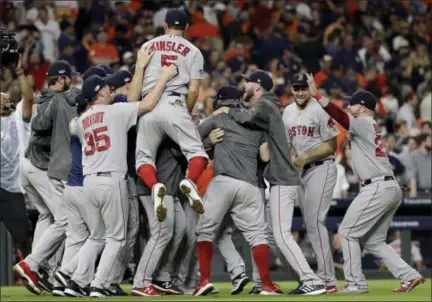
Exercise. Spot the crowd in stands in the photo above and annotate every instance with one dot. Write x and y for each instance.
(383, 46)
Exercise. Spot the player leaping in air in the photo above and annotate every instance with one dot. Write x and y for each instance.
(170, 117)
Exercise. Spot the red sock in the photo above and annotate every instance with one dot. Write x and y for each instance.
(197, 165)
(261, 254)
(205, 254)
(148, 175)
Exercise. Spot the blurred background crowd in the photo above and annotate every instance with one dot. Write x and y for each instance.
(383, 46)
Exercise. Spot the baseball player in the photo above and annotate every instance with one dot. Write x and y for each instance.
(153, 274)
(234, 190)
(45, 190)
(369, 216)
(102, 131)
(171, 117)
(281, 174)
(312, 134)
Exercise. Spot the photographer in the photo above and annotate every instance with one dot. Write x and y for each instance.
(14, 135)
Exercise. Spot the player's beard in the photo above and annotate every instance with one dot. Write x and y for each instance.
(247, 96)
(302, 106)
(66, 86)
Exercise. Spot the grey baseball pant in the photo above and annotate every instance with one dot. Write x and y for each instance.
(161, 234)
(106, 215)
(315, 196)
(367, 221)
(282, 199)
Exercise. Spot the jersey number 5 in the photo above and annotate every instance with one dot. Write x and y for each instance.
(380, 151)
(167, 60)
(97, 141)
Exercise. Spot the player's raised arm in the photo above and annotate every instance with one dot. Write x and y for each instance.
(152, 98)
(144, 55)
(334, 111)
(26, 91)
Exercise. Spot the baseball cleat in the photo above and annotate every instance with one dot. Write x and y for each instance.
(215, 291)
(255, 290)
(272, 290)
(116, 290)
(74, 290)
(203, 288)
(29, 278)
(147, 291)
(58, 291)
(96, 292)
(190, 190)
(158, 194)
(43, 281)
(409, 285)
(62, 278)
(308, 290)
(238, 283)
(353, 289)
(167, 287)
(331, 289)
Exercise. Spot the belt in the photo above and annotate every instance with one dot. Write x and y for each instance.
(378, 178)
(316, 163)
(108, 174)
(173, 93)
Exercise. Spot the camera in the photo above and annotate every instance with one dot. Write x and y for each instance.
(9, 55)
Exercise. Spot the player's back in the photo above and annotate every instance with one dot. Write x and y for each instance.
(102, 130)
(369, 155)
(237, 155)
(173, 49)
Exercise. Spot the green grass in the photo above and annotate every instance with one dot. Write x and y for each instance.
(379, 290)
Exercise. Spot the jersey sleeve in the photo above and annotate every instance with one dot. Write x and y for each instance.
(197, 66)
(206, 126)
(127, 113)
(328, 129)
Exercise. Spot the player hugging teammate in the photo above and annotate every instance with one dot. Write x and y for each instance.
(133, 139)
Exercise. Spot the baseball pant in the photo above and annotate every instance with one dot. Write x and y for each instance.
(272, 244)
(161, 234)
(77, 231)
(282, 200)
(132, 228)
(166, 270)
(315, 196)
(242, 200)
(169, 117)
(233, 260)
(54, 235)
(367, 221)
(106, 215)
(186, 275)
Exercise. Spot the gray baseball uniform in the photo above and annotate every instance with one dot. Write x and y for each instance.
(306, 129)
(283, 179)
(171, 168)
(170, 117)
(369, 216)
(234, 190)
(102, 131)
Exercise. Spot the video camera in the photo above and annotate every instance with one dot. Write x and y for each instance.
(9, 55)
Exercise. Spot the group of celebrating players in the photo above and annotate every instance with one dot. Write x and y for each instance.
(132, 138)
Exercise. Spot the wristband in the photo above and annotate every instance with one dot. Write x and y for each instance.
(318, 96)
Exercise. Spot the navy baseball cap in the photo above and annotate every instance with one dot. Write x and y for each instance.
(92, 86)
(227, 92)
(60, 68)
(94, 70)
(118, 79)
(176, 17)
(299, 80)
(80, 100)
(364, 98)
(107, 69)
(261, 77)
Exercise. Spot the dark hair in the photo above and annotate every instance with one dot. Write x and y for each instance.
(81, 108)
(423, 137)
